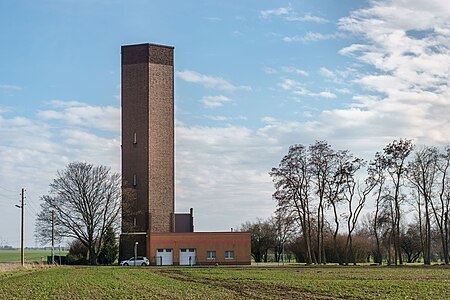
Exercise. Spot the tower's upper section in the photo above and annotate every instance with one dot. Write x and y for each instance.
(148, 137)
(147, 53)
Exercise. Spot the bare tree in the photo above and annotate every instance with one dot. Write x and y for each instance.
(422, 172)
(353, 189)
(263, 238)
(86, 202)
(283, 224)
(376, 174)
(293, 184)
(410, 242)
(335, 190)
(322, 160)
(442, 208)
(395, 160)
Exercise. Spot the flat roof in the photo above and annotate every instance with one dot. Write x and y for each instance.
(148, 44)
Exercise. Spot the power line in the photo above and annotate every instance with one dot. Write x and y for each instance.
(5, 189)
(8, 197)
(30, 214)
(30, 205)
(7, 194)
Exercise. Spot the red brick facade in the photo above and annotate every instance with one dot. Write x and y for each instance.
(219, 242)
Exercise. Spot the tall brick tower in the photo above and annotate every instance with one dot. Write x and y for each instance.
(147, 144)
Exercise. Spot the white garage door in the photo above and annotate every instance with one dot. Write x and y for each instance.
(187, 257)
(164, 257)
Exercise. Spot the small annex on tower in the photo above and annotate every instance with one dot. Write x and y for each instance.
(149, 221)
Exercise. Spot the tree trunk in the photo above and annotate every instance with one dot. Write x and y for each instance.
(92, 256)
(427, 252)
(390, 249)
(378, 258)
(335, 233)
(446, 254)
(306, 243)
(319, 233)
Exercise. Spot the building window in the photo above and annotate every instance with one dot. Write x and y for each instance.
(134, 180)
(135, 138)
(211, 254)
(229, 254)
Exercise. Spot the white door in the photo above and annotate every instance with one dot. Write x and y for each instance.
(164, 257)
(187, 257)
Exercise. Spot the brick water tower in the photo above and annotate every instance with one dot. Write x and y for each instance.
(149, 225)
(147, 144)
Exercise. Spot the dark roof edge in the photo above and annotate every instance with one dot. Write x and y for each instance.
(148, 44)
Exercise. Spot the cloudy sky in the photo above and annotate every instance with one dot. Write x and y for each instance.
(252, 78)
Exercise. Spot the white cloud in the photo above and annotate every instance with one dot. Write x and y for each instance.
(308, 18)
(223, 118)
(84, 115)
(408, 93)
(294, 70)
(343, 91)
(326, 94)
(269, 70)
(215, 101)
(61, 103)
(307, 114)
(213, 19)
(313, 37)
(10, 87)
(354, 48)
(298, 89)
(289, 14)
(281, 11)
(210, 81)
(237, 33)
(227, 165)
(286, 69)
(217, 118)
(33, 149)
(327, 73)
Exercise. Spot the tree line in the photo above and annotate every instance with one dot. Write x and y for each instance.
(322, 214)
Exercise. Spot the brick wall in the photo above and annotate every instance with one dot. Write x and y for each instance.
(238, 242)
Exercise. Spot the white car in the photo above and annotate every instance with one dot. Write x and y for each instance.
(140, 261)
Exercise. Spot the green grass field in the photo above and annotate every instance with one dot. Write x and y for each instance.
(30, 255)
(227, 283)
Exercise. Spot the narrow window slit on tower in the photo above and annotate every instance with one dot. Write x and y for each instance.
(134, 180)
(135, 138)
(134, 221)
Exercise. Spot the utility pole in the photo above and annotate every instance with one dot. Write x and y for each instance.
(22, 254)
(53, 237)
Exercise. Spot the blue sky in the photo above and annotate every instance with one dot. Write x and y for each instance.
(252, 78)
